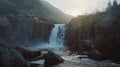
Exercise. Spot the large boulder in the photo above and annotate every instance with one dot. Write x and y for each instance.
(52, 59)
(27, 53)
(10, 57)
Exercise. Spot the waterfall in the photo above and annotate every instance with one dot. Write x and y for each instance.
(56, 38)
(57, 35)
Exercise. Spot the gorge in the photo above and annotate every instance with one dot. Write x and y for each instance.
(33, 33)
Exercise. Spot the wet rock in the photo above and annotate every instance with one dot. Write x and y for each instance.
(96, 55)
(52, 59)
(27, 53)
(39, 26)
(10, 57)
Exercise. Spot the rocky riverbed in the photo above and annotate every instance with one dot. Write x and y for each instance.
(48, 57)
(73, 60)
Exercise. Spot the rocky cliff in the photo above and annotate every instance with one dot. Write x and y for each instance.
(18, 23)
(96, 34)
(10, 57)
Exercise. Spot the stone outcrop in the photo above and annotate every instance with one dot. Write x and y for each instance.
(27, 53)
(10, 57)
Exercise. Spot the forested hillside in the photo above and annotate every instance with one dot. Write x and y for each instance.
(19, 20)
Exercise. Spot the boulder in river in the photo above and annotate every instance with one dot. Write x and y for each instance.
(52, 59)
(27, 53)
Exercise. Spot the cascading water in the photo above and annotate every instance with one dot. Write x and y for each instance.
(56, 39)
(56, 44)
(57, 35)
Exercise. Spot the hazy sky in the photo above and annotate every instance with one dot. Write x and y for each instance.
(79, 7)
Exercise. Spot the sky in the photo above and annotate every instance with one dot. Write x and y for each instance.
(80, 7)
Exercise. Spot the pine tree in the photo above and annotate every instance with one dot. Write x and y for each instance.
(115, 3)
(109, 4)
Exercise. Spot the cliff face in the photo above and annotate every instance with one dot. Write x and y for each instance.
(41, 31)
(18, 24)
(98, 31)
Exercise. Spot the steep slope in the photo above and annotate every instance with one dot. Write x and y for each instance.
(38, 8)
(21, 20)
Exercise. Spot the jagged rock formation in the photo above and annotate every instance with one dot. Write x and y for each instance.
(98, 31)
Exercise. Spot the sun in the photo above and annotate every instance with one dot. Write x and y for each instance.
(75, 13)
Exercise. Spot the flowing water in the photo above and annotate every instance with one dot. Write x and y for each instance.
(56, 44)
(56, 39)
(57, 35)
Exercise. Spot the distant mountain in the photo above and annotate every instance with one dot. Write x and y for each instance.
(56, 14)
(34, 8)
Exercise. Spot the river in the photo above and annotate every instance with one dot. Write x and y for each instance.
(56, 44)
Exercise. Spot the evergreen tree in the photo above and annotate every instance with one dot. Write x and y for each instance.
(115, 3)
(109, 5)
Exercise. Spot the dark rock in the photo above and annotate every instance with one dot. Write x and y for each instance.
(41, 31)
(52, 59)
(96, 55)
(16, 22)
(10, 57)
(27, 53)
(101, 31)
(35, 65)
